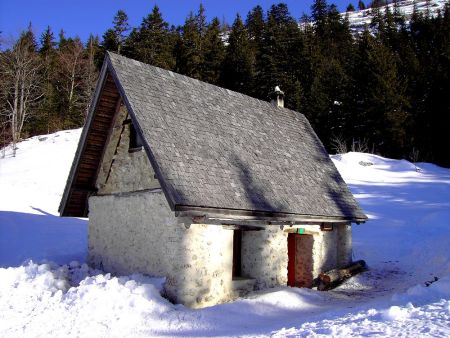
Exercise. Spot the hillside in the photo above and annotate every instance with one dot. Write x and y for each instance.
(405, 293)
(359, 19)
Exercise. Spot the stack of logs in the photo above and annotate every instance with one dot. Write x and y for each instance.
(330, 279)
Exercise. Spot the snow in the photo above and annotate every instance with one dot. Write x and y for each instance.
(31, 185)
(359, 19)
(46, 289)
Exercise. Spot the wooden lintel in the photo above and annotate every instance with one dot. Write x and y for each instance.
(239, 218)
(242, 227)
(305, 232)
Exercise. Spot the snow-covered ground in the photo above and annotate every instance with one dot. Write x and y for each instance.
(406, 244)
(359, 19)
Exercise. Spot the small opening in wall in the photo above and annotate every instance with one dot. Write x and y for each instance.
(135, 140)
(237, 254)
(326, 227)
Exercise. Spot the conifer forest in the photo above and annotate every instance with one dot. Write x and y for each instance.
(384, 89)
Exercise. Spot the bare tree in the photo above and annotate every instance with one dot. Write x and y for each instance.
(71, 61)
(76, 78)
(21, 85)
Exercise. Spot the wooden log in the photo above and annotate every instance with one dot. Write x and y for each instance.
(338, 275)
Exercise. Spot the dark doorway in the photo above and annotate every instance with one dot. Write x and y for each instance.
(237, 253)
(300, 262)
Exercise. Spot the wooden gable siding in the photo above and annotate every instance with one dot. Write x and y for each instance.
(86, 172)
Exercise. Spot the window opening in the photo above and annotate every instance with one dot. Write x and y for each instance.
(135, 139)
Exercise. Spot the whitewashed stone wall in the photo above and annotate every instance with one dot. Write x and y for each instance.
(344, 243)
(264, 256)
(135, 233)
(324, 252)
(139, 233)
(331, 249)
(202, 271)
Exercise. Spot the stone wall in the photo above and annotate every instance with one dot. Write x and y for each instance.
(201, 274)
(121, 170)
(324, 251)
(134, 233)
(331, 249)
(139, 233)
(264, 256)
(344, 243)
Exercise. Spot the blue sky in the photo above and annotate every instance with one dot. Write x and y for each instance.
(81, 17)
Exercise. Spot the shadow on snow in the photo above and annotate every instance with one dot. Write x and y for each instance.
(41, 237)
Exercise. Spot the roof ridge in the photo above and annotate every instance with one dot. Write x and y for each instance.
(191, 79)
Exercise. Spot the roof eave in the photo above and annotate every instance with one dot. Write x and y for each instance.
(82, 141)
(108, 68)
(237, 215)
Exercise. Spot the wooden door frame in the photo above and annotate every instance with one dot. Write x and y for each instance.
(291, 259)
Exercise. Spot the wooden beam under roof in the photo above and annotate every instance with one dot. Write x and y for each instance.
(81, 182)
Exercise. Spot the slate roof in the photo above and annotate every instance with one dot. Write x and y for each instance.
(218, 149)
(221, 149)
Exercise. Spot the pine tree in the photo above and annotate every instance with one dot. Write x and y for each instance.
(378, 3)
(45, 119)
(361, 5)
(279, 64)
(92, 51)
(350, 8)
(327, 84)
(377, 23)
(389, 35)
(440, 99)
(190, 50)
(382, 107)
(399, 18)
(189, 53)
(62, 39)
(319, 12)
(237, 68)
(47, 43)
(121, 26)
(307, 60)
(431, 40)
(255, 27)
(214, 52)
(109, 41)
(153, 42)
(201, 22)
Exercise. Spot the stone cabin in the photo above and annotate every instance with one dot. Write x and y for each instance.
(217, 191)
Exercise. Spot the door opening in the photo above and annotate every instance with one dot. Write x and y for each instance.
(300, 262)
(237, 254)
